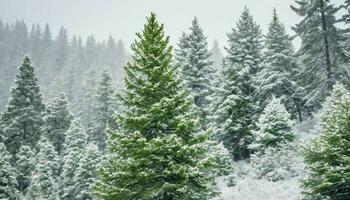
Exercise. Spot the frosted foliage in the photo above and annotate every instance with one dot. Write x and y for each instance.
(278, 164)
(338, 95)
(274, 127)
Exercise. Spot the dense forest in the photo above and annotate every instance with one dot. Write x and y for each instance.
(98, 120)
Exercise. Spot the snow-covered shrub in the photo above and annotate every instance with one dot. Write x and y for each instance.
(277, 164)
(223, 161)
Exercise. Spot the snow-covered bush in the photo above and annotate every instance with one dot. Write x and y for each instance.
(277, 164)
(223, 161)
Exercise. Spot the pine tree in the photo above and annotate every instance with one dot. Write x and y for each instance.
(217, 56)
(275, 127)
(156, 154)
(8, 182)
(322, 48)
(43, 184)
(86, 174)
(276, 77)
(75, 143)
(105, 104)
(22, 120)
(196, 68)
(57, 121)
(327, 158)
(235, 106)
(25, 164)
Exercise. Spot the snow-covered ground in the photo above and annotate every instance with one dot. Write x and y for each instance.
(248, 187)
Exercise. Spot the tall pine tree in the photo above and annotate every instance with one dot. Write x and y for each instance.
(22, 120)
(276, 77)
(322, 48)
(57, 121)
(156, 154)
(196, 68)
(105, 105)
(235, 105)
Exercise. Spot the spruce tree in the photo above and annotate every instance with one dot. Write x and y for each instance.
(8, 182)
(43, 184)
(75, 143)
(217, 56)
(276, 77)
(274, 127)
(196, 68)
(322, 48)
(86, 174)
(105, 104)
(25, 164)
(235, 106)
(327, 158)
(156, 154)
(57, 121)
(22, 120)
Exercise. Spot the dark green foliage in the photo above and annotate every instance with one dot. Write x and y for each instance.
(156, 153)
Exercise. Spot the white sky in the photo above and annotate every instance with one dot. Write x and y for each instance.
(122, 18)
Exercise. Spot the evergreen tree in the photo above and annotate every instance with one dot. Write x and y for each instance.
(43, 183)
(279, 66)
(86, 174)
(8, 182)
(156, 154)
(322, 48)
(275, 127)
(57, 121)
(196, 68)
(217, 56)
(25, 164)
(104, 111)
(235, 105)
(327, 158)
(75, 143)
(22, 120)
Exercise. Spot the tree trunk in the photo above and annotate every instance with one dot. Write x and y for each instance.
(326, 43)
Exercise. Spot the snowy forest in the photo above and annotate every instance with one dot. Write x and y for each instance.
(259, 118)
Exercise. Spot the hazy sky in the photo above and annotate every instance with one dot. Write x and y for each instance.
(122, 18)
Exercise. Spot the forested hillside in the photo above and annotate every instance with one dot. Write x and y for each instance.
(254, 119)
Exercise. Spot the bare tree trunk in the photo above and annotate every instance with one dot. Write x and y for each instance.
(326, 43)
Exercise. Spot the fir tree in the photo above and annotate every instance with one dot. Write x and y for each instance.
(217, 56)
(327, 158)
(8, 182)
(57, 121)
(43, 183)
(275, 127)
(331, 105)
(322, 48)
(75, 143)
(156, 154)
(105, 105)
(196, 68)
(86, 174)
(276, 77)
(25, 164)
(22, 120)
(235, 106)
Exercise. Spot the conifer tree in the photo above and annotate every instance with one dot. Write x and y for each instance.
(275, 127)
(327, 157)
(196, 68)
(235, 106)
(322, 48)
(57, 121)
(105, 104)
(217, 56)
(22, 120)
(8, 182)
(75, 143)
(43, 184)
(86, 174)
(156, 154)
(276, 77)
(25, 164)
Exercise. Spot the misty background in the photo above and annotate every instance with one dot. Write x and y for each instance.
(121, 19)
